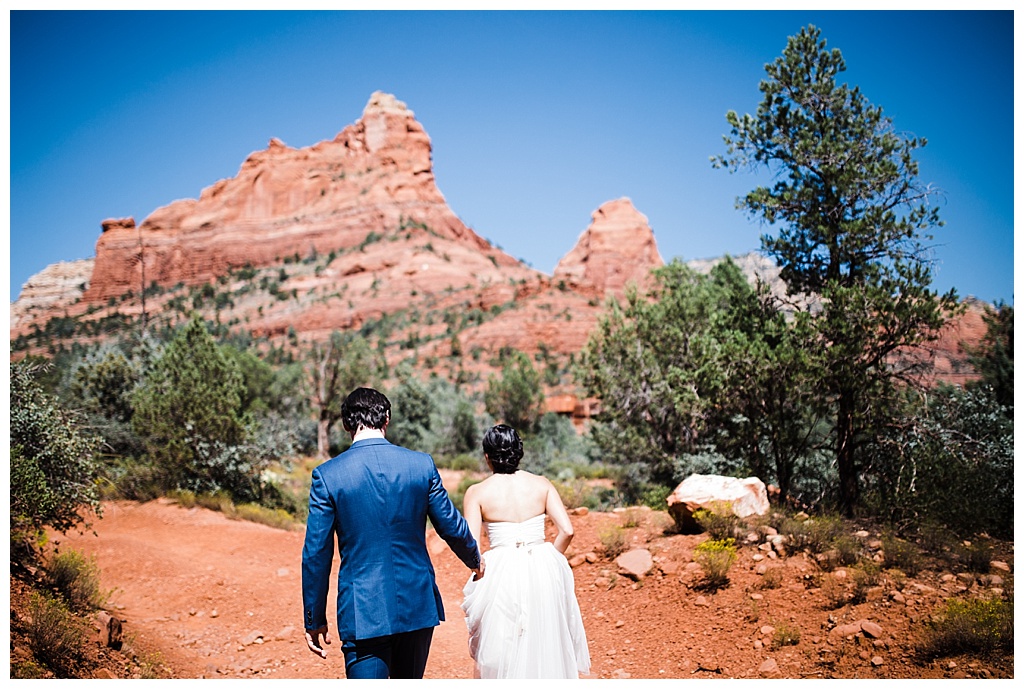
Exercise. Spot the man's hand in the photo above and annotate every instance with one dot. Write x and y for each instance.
(313, 640)
(478, 573)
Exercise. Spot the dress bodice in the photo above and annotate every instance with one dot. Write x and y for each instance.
(516, 534)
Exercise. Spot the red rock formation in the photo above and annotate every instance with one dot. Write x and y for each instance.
(618, 248)
(374, 177)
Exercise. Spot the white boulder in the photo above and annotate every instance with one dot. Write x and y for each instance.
(746, 497)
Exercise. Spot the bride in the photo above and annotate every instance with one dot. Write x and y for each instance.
(523, 617)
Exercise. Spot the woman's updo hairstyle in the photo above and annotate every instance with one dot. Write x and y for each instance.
(504, 448)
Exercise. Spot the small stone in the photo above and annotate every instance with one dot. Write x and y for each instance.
(761, 569)
(282, 572)
(897, 597)
(871, 629)
(757, 557)
(756, 596)
(768, 667)
(214, 613)
(1000, 565)
(861, 534)
(619, 623)
(767, 630)
(877, 661)
(758, 644)
(701, 601)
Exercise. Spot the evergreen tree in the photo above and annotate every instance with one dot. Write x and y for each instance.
(516, 398)
(188, 408)
(852, 221)
(993, 358)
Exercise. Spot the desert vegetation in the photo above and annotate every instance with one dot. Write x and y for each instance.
(700, 374)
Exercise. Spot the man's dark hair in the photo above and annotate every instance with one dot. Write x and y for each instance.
(504, 448)
(365, 407)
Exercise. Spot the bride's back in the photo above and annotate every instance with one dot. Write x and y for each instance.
(512, 497)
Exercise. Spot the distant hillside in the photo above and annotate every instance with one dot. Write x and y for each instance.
(353, 233)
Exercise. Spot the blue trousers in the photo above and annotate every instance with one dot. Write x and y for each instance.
(398, 656)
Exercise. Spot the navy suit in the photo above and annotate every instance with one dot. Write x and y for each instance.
(375, 498)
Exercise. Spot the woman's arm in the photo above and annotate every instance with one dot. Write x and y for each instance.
(471, 511)
(556, 510)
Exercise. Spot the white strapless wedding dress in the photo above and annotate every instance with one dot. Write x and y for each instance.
(523, 617)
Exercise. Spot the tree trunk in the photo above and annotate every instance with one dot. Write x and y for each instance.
(848, 488)
(323, 438)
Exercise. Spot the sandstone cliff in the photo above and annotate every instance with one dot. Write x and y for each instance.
(375, 178)
(353, 233)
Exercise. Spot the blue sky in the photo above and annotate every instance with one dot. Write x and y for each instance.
(536, 118)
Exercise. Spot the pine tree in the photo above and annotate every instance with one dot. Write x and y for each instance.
(851, 222)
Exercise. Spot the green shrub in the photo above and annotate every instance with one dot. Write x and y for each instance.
(716, 557)
(834, 593)
(579, 493)
(971, 626)
(865, 575)
(613, 538)
(901, 555)
(785, 635)
(77, 580)
(462, 462)
(53, 468)
(55, 635)
(185, 498)
(277, 518)
(656, 497)
(822, 532)
(718, 520)
(848, 549)
(632, 517)
(772, 579)
(975, 555)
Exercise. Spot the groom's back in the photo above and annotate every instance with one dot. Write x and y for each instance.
(386, 581)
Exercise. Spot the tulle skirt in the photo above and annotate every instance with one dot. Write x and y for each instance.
(523, 617)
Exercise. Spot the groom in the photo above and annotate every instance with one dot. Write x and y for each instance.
(376, 497)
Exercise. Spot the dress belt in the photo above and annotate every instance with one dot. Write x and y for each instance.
(519, 543)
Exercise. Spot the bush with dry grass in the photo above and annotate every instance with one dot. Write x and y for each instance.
(716, 557)
(971, 626)
(77, 580)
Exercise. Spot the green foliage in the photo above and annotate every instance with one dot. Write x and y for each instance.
(56, 636)
(785, 635)
(516, 397)
(866, 575)
(771, 579)
(459, 495)
(77, 581)
(715, 557)
(335, 368)
(993, 358)
(614, 540)
(188, 408)
(901, 554)
(852, 221)
(949, 437)
(817, 534)
(556, 449)
(718, 520)
(52, 462)
(971, 626)
(433, 416)
(577, 492)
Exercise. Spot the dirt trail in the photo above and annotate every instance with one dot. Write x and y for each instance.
(217, 597)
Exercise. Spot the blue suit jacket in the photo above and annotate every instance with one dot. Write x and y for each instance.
(376, 497)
